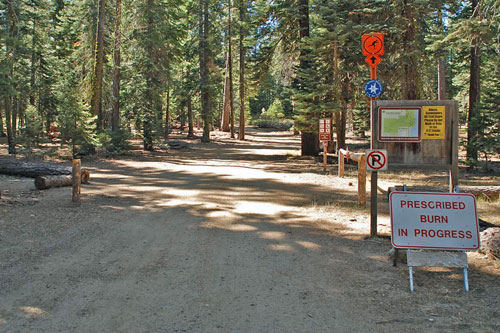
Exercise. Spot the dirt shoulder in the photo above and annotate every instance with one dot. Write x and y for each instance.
(222, 237)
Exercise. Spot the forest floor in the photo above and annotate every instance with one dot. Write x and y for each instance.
(228, 236)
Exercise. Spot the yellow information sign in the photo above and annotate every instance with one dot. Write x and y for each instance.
(433, 122)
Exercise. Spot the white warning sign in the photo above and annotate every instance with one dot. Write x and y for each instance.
(376, 160)
(434, 220)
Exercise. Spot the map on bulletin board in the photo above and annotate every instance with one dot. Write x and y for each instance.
(400, 124)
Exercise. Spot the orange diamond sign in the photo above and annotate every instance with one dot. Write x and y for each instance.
(373, 60)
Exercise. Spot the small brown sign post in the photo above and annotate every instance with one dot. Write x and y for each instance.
(325, 126)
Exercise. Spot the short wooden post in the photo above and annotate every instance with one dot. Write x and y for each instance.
(325, 157)
(77, 180)
(341, 164)
(362, 180)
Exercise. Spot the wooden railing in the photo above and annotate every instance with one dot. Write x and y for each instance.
(361, 159)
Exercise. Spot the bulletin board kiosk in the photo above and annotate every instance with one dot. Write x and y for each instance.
(418, 135)
(423, 135)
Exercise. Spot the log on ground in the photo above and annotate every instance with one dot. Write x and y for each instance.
(488, 192)
(33, 170)
(46, 182)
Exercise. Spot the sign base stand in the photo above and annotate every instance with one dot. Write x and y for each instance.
(454, 259)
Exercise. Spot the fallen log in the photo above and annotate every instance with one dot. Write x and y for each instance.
(46, 182)
(33, 170)
(487, 192)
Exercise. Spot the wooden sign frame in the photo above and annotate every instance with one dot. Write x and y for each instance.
(430, 154)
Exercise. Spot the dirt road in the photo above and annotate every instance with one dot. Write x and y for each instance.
(223, 237)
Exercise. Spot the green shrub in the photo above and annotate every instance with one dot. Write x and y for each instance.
(278, 124)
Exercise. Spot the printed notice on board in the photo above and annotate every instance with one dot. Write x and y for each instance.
(433, 122)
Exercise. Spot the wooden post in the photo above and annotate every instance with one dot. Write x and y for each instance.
(77, 180)
(373, 206)
(362, 180)
(325, 157)
(341, 164)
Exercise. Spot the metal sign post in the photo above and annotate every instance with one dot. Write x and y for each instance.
(372, 46)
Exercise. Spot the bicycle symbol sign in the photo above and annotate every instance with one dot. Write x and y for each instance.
(376, 160)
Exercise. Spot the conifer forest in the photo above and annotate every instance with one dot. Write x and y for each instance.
(250, 166)
(99, 72)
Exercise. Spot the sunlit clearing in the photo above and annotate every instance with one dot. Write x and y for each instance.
(32, 311)
(220, 213)
(181, 193)
(280, 247)
(256, 207)
(309, 245)
(230, 227)
(97, 175)
(272, 235)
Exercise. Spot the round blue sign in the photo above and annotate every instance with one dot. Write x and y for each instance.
(373, 88)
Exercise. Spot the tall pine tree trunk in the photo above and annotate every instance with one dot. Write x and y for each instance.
(204, 73)
(441, 65)
(115, 125)
(15, 111)
(2, 134)
(33, 62)
(230, 60)
(241, 135)
(167, 114)
(96, 99)
(473, 128)
(309, 139)
(190, 117)
(228, 112)
(410, 65)
(10, 138)
(9, 55)
(150, 104)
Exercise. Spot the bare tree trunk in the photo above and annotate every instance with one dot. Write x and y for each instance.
(9, 55)
(167, 114)
(96, 100)
(190, 117)
(241, 135)
(230, 65)
(204, 73)
(309, 139)
(15, 109)
(441, 65)
(115, 125)
(33, 61)
(473, 128)
(441, 79)
(340, 129)
(2, 134)
(228, 112)
(10, 138)
(410, 67)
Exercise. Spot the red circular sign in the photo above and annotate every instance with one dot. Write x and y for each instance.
(373, 44)
(376, 160)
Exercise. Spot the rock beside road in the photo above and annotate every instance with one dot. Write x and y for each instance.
(490, 242)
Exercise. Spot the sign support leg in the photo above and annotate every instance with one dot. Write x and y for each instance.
(466, 280)
(325, 157)
(410, 272)
(374, 203)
